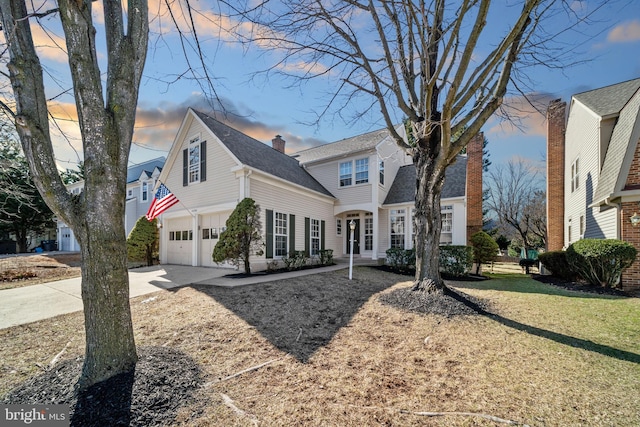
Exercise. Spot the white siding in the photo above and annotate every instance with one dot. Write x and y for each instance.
(271, 196)
(582, 136)
(221, 185)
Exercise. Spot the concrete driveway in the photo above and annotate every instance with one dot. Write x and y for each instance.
(32, 303)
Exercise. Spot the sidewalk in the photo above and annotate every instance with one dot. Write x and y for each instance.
(28, 304)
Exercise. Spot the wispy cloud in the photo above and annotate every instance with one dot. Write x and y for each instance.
(625, 32)
(156, 126)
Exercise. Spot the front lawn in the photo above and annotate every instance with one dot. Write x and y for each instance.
(323, 350)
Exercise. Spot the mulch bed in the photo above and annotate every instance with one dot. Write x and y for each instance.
(449, 303)
(163, 381)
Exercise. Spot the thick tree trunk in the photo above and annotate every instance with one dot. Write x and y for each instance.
(110, 346)
(427, 222)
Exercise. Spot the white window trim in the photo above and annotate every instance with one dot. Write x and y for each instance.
(313, 236)
(575, 174)
(404, 231)
(353, 163)
(276, 234)
(194, 169)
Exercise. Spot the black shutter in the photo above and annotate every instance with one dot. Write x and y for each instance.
(185, 167)
(292, 233)
(203, 161)
(269, 247)
(307, 236)
(322, 225)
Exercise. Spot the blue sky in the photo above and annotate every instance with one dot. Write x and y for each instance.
(263, 107)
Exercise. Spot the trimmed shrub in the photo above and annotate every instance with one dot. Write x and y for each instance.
(402, 259)
(142, 242)
(326, 256)
(485, 249)
(601, 261)
(456, 260)
(557, 264)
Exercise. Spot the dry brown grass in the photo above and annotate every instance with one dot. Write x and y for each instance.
(18, 271)
(550, 357)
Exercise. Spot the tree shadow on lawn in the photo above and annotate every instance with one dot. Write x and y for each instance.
(299, 316)
(542, 285)
(557, 337)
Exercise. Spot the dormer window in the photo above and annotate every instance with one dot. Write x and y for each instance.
(145, 191)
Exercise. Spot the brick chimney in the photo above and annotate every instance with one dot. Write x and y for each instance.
(474, 185)
(555, 174)
(278, 143)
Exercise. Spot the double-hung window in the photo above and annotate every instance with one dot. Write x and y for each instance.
(315, 236)
(575, 175)
(397, 228)
(362, 171)
(381, 172)
(145, 191)
(280, 233)
(446, 232)
(194, 160)
(345, 174)
(349, 177)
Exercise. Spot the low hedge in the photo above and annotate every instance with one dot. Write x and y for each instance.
(456, 260)
(557, 264)
(601, 261)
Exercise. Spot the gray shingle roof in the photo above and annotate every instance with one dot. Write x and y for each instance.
(260, 156)
(610, 99)
(403, 188)
(367, 141)
(609, 181)
(134, 172)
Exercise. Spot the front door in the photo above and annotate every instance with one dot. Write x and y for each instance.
(356, 237)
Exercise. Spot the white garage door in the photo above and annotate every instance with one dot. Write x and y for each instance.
(180, 242)
(210, 228)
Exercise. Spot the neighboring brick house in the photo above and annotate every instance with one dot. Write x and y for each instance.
(141, 179)
(597, 159)
(307, 199)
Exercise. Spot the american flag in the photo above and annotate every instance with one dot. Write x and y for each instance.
(162, 201)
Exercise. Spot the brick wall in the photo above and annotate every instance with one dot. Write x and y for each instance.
(474, 185)
(555, 174)
(631, 234)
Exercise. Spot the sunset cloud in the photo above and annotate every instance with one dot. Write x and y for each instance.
(626, 32)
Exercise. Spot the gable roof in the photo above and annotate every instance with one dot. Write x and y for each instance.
(403, 189)
(609, 100)
(620, 152)
(347, 146)
(134, 171)
(259, 156)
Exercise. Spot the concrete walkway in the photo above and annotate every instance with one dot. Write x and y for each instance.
(28, 304)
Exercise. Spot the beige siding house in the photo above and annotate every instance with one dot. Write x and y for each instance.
(141, 180)
(601, 168)
(307, 199)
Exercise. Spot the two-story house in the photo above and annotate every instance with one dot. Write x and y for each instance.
(141, 180)
(307, 199)
(594, 169)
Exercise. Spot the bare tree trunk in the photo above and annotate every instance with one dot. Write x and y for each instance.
(427, 221)
(106, 120)
(110, 346)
